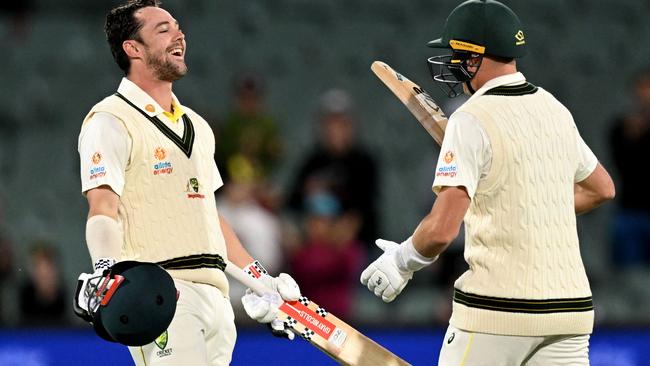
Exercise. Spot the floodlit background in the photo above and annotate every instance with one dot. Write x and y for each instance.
(320, 158)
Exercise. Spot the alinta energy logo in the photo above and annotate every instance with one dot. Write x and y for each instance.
(449, 168)
(161, 167)
(97, 171)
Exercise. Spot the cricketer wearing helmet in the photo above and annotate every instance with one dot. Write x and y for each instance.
(515, 170)
(148, 173)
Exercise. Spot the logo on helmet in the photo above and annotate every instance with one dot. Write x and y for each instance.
(521, 39)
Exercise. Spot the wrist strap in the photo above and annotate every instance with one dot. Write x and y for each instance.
(255, 269)
(409, 259)
(104, 263)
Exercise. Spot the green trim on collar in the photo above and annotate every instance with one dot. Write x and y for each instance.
(513, 90)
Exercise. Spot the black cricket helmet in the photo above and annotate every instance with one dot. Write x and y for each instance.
(473, 29)
(138, 302)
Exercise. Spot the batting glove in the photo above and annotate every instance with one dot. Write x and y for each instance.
(387, 276)
(264, 308)
(85, 302)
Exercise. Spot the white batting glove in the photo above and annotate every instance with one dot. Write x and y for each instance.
(85, 302)
(387, 276)
(264, 308)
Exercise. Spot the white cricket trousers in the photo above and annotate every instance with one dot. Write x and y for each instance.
(461, 348)
(202, 332)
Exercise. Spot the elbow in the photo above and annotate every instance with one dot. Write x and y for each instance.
(608, 193)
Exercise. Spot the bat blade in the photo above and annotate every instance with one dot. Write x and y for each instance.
(415, 98)
(337, 339)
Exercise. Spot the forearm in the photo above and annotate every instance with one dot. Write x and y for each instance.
(104, 236)
(237, 254)
(429, 240)
(585, 201)
(441, 226)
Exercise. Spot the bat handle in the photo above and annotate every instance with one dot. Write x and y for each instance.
(242, 277)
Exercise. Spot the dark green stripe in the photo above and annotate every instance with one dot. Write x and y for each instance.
(186, 143)
(514, 90)
(523, 305)
(194, 262)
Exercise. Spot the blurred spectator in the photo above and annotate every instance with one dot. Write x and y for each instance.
(43, 300)
(338, 164)
(630, 143)
(20, 12)
(328, 263)
(248, 131)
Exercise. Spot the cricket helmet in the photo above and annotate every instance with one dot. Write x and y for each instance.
(473, 29)
(138, 302)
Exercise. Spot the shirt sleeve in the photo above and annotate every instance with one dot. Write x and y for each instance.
(104, 150)
(588, 160)
(464, 155)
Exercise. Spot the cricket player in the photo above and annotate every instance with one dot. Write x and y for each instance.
(514, 168)
(148, 173)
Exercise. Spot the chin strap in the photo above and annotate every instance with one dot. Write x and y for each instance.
(469, 87)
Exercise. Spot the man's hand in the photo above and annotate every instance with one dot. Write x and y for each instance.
(85, 301)
(383, 276)
(387, 276)
(264, 308)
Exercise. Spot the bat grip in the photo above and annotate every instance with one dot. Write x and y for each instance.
(242, 277)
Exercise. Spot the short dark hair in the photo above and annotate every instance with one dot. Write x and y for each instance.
(121, 24)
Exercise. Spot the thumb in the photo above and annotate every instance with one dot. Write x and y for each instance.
(385, 245)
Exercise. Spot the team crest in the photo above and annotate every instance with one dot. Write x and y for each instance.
(192, 188)
(161, 342)
(97, 157)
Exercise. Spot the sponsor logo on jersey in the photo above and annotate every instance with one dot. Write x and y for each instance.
(97, 157)
(162, 167)
(159, 153)
(161, 342)
(97, 172)
(449, 157)
(192, 189)
(449, 168)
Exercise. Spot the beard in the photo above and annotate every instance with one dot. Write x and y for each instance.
(163, 68)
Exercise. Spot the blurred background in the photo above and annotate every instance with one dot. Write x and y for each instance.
(319, 158)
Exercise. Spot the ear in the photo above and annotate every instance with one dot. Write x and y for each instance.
(131, 48)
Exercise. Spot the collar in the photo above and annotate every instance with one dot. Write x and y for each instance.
(510, 79)
(146, 103)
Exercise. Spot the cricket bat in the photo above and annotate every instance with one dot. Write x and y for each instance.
(305, 318)
(416, 99)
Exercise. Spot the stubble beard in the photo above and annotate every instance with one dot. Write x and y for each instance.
(164, 69)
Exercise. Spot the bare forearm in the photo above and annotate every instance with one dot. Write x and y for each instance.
(237, 254)
(441, 226)
(585, 201)
(428, 239)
